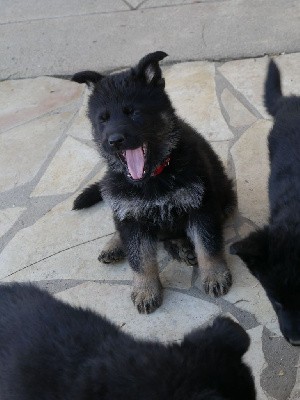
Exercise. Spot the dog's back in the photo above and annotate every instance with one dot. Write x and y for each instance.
(50, 350)
(284, 148)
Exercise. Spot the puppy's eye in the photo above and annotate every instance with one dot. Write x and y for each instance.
(128, 110)
(104, 117)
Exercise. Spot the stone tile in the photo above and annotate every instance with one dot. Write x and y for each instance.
(81, 127)
(239, 116)
(250, 156)
(191, 87)
(256, 360)
(8, 217)
(247, 294)
(178, 314)
(71, 164)
(25, 99)
(247, 76)
(295, 395)
(59, 229)
(135, 3)
(221, 148)
(25, 148)
(177, 275)
(79, 262)
(245, 230)
(20, 11)
(163, 3)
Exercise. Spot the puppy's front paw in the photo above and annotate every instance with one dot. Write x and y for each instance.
(217, 280)
(111, 255)
(147, 298)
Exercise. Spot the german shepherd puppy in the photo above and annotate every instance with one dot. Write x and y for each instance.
(272, 254)
(163, 179)
(50, 350)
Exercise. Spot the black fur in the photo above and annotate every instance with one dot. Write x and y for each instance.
(88, 77)
(50, 350)
(273, 91)
(89, 197)
(189, 198)
(273, 254)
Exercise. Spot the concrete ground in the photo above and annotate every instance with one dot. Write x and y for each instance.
(39, 37)
(47, 156)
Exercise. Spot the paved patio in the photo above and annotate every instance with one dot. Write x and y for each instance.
(47, 157)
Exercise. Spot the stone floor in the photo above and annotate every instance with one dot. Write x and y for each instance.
(47, 157)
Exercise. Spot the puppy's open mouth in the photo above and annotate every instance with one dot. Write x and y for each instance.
(135, 161)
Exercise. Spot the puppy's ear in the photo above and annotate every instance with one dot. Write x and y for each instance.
(149, 70)
(225, 333)
(253, 250)
(88, 77)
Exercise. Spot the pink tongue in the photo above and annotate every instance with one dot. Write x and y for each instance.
(135, 162)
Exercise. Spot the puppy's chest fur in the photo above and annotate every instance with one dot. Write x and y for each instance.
(160, 209)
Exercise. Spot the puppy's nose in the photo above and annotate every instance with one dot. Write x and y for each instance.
(116, 139)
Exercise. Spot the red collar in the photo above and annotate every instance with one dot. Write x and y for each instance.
(158, 170)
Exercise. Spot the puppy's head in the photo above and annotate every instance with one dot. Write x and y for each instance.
(273, 257)
(215, 367)
(132, 117)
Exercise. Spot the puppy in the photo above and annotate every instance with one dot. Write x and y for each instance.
(272, 254)
(50, 350)
(163, 180)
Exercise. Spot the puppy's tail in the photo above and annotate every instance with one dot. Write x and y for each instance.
(90, 196)
(273, 91)
(88, 77)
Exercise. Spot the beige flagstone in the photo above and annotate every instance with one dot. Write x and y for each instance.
(71, 164)
(24, 149)
(178, 315)
(191, 87)
(25, 99)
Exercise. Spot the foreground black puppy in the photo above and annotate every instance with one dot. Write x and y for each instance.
(273, 254)
(163, 180)
(50, 350)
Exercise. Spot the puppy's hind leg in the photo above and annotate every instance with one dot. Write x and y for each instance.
(113, 250)
(205, 231)
(181, 249)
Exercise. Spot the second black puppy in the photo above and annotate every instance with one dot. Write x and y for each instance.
(163, 179)
(52, 351)
(273, 253)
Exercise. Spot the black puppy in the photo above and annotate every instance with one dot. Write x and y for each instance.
(50, 350)
(272, 254)
(163, 180)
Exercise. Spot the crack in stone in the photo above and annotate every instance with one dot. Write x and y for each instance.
(58, 252)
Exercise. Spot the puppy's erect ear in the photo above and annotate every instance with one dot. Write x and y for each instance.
(253, 250)
(88, 77)
(224, 332)
(148, 68)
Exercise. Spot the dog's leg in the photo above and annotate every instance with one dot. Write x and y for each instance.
(140, 246)
(113, 250)
(206, 233)
(181, 249)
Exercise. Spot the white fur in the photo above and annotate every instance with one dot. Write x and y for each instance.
(182, 200)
